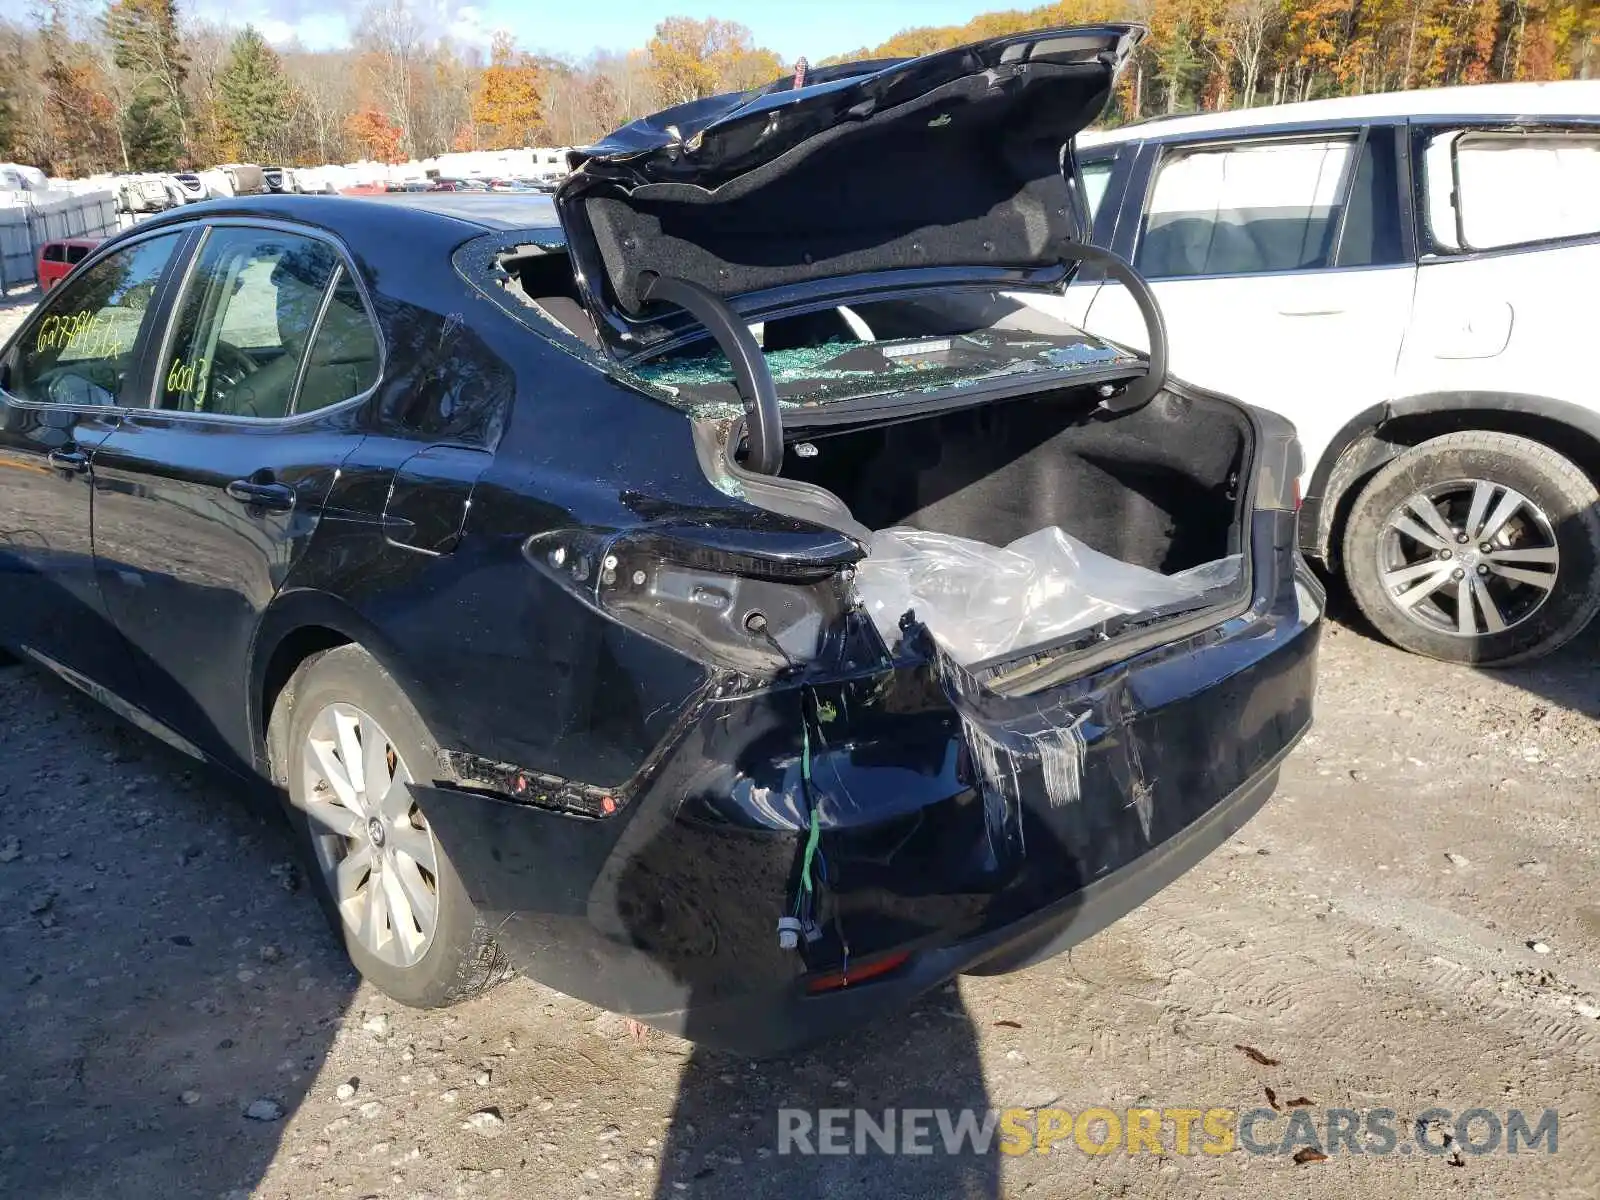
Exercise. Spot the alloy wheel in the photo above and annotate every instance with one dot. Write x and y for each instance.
(372, 841)
(1468, 557)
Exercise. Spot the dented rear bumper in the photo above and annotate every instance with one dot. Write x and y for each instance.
(953, 837)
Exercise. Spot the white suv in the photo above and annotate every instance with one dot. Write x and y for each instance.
(1414, 280)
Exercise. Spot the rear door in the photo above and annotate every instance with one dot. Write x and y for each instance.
(206, 497)
(1511, 252)
(62, 386)
(1282, 267)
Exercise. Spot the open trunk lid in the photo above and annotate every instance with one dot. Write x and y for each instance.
(955, 166)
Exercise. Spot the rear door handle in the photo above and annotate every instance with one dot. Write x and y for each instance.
(278, 497)
(74, 461)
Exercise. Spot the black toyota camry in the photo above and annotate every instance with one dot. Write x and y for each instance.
(729, 592)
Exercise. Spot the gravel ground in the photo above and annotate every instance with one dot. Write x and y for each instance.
(14, 306)
(1413, 921)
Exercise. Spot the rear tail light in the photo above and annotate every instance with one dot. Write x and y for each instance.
(722, 604)
(869, 969)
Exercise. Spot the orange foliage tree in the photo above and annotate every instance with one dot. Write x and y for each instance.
(508, 107)
(691, 59)
(376, 134)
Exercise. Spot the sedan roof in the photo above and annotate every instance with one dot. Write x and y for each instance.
(486, 211)
(491, 210)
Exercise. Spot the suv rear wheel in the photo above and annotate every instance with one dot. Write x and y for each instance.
(346, 744)
(1476, 547)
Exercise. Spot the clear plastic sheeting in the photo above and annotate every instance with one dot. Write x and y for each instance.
(981, 602)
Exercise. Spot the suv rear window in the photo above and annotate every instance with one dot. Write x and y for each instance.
(1096, 179)
(1487, 189)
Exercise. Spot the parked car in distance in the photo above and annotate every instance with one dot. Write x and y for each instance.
(57, 258)
(557, 561)
(1391, 272)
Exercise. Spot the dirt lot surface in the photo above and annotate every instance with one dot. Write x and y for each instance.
(1412, 922)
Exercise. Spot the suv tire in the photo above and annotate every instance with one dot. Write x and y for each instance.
(1523, 548)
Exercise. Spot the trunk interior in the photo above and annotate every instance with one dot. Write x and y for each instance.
(1157, 487)
(1007, 526)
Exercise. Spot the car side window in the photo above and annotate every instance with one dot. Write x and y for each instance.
(76, 254)
(1096, 179)
(246, 316)
(1488, 189)
(1371, 234)
(52, 252)
(81, 347)
(1244, 208)
(344, 359)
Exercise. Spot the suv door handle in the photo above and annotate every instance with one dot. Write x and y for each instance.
(74, 461)
(278, 497)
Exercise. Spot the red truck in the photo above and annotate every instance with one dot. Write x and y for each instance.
(58, 258)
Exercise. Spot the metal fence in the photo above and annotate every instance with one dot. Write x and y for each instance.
(26, 226)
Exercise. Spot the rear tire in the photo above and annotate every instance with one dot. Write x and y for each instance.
(386, 882)
(1476, 547)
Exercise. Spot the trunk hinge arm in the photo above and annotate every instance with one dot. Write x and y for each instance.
(751, 376)
(1141, 391)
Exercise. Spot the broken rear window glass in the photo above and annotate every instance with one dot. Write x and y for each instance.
(924, 344)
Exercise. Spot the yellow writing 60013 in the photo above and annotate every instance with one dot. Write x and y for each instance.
(180, 379)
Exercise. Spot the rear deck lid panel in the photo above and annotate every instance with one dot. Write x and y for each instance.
(953, 160)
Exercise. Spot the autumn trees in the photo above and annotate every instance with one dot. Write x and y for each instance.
(375, 135)
(1206, 54)
(148, 53)
(507, 108)
(692, 59)
(93, 85)
(78, 125)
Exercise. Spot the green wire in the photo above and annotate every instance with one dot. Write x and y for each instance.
(816, 828)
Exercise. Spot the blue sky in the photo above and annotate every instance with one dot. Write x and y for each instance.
(815, 28)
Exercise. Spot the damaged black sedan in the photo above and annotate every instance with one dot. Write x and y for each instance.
(729, 593)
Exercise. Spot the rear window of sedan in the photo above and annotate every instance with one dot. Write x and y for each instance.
(850, 352)
(845, 352)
